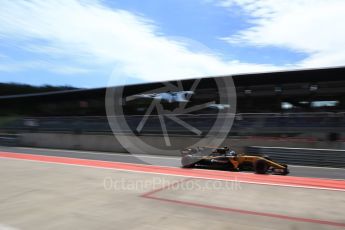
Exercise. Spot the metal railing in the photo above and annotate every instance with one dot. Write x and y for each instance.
(252, 123)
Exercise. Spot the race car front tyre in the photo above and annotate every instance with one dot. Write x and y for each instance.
(286, 170)
(261, 167)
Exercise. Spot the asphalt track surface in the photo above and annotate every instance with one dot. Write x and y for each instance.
(62, 189)
(49, 192)
(298, 171)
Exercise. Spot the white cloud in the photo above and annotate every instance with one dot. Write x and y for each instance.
(315, 27)
(87, 34)
(8, 64)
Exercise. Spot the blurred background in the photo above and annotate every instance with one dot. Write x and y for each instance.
(296, 109)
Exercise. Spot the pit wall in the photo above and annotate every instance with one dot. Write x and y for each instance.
(108, 143)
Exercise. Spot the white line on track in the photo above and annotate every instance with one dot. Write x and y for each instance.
(147, 156)
(103, 153)
(177, 175)
(158, 157)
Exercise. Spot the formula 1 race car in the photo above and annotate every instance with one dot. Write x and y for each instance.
(213, 157)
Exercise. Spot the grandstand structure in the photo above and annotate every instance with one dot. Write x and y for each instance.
(307, 104)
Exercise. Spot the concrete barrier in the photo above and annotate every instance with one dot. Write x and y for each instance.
(9, 139)
(108, 143)
(303, 156)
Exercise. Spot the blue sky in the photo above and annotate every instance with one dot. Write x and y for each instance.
(96, 43)
(206, 23)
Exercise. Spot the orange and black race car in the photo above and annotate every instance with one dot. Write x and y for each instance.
(224, 157)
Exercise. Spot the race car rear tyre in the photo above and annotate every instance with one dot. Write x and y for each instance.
(188, 161)
(261, 167)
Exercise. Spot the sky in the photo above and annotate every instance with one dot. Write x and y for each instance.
(94, 43)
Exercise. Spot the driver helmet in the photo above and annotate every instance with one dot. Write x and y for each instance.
(232, 153)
